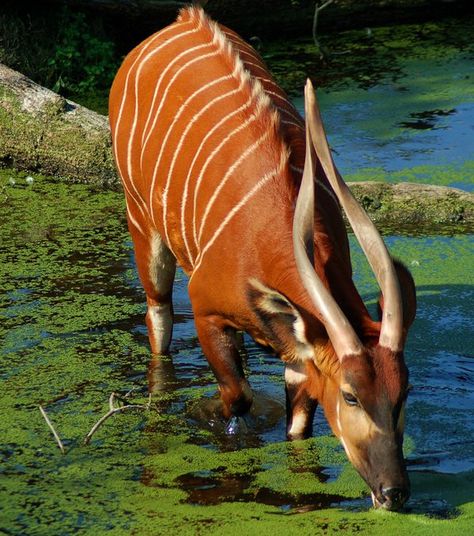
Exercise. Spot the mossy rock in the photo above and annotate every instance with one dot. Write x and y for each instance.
(416, 207)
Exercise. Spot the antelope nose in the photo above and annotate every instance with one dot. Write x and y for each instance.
(394, 498)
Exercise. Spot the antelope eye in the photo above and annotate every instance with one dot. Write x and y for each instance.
(349, 399)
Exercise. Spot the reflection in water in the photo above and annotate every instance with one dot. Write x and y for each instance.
(161, 375)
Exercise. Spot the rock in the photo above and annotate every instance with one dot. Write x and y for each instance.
(405, 206)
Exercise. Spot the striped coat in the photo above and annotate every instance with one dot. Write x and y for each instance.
(210, 152)
(201, 129)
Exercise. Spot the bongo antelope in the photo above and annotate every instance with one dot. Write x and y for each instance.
(223, 176)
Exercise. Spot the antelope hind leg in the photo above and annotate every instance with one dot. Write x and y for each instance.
(156, 267)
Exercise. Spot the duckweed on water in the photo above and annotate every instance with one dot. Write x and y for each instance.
(397, 104)
(72, 332)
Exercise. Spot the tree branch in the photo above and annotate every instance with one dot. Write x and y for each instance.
(317, 9)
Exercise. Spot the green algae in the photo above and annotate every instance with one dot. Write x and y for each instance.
(370, 56)
(414, 209)
(425, 174)
(396, 101)
(70, 303)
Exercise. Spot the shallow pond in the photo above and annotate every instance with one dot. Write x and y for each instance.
(72, 332)
(398, 102)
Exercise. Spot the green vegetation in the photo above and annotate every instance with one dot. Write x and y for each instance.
(70, 304)
(57, 139)
(83, 62)
(72, 331)
(65, 50)
(368, 56)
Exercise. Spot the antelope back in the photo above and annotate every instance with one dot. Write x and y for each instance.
(199, 129)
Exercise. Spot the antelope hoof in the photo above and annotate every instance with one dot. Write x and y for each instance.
(236, 426)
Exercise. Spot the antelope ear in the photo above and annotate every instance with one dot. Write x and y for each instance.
(280, 322)
(408, 292)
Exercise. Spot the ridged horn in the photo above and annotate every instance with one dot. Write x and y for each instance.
(369, 238)
(343, 337)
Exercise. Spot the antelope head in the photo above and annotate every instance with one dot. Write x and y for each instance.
(363, 392)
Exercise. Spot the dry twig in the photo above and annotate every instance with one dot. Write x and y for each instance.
(317, 9)
(51, 427)
(112, 411)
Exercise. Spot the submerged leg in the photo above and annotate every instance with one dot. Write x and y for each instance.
(220, 347)
(300, 407)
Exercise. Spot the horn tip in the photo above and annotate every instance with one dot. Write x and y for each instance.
(309, 90)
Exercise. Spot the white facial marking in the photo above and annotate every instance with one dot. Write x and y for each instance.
(339, 425)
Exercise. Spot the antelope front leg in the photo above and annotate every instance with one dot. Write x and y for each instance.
(300, 407)
(156, 267)
(220, 346)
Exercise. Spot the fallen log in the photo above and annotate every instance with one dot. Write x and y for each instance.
(43, 132)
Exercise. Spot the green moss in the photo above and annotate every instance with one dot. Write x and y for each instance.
(412, 209)
(426, 174)
(51, 143)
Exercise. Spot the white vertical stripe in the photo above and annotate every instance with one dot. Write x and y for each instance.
(251, 149)
(291, 123)
(186, 131)
(121, 108)
(181, 143)
(134, 222)
(147, 132)
(196, 155)
(240, 43)
(137, 77)
(258, 186)
(242, 126)
(157, 163)
(253, 64)
(290, 112)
